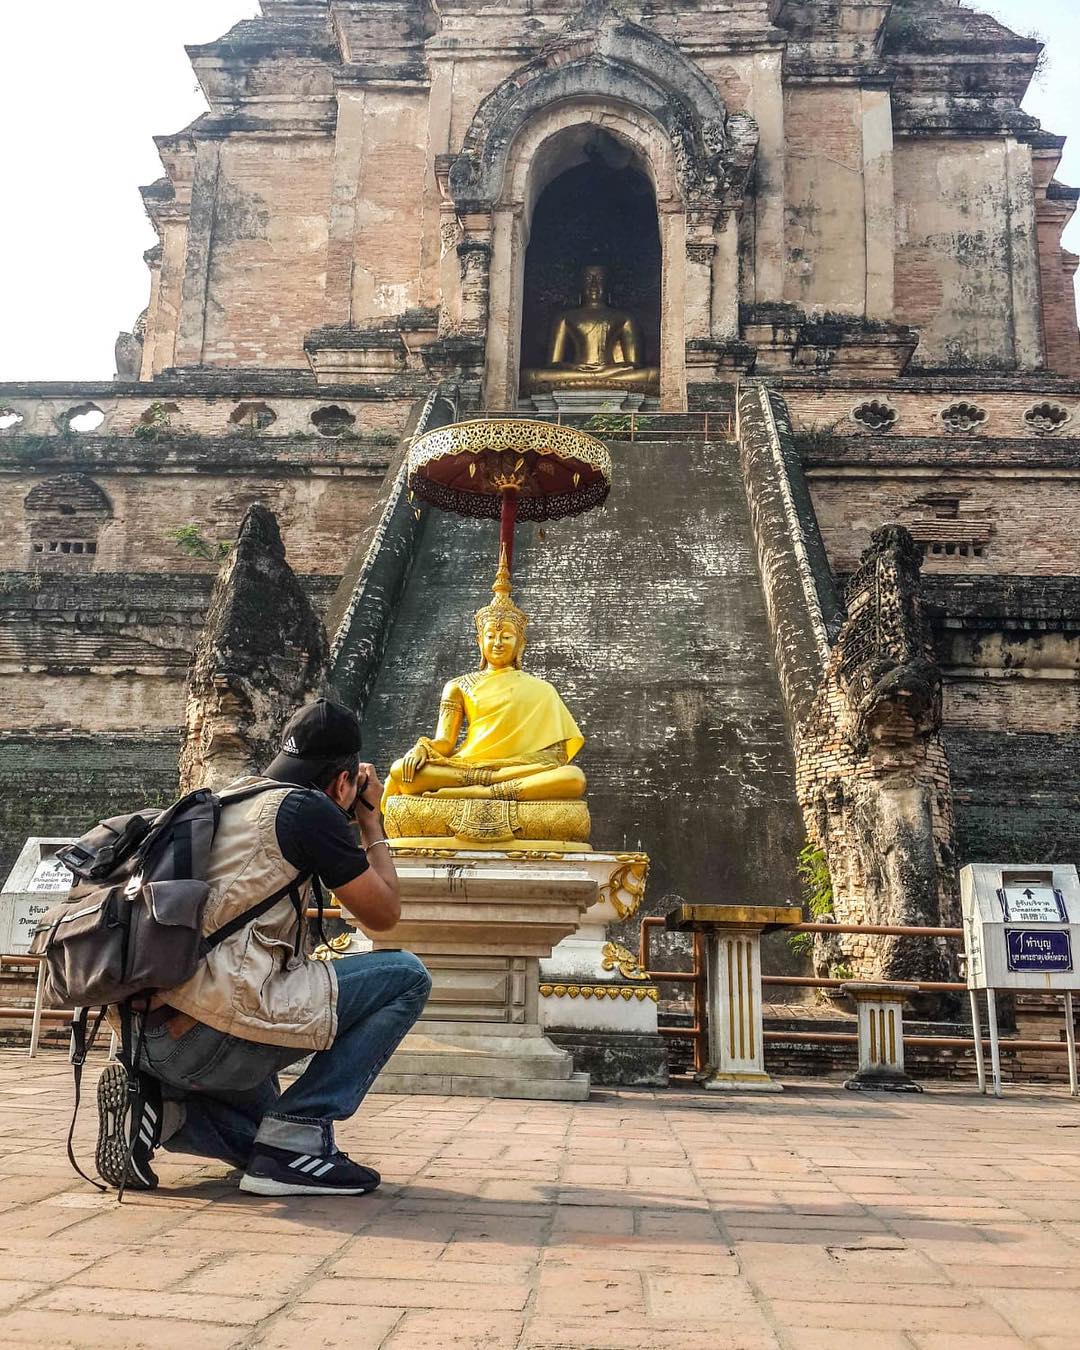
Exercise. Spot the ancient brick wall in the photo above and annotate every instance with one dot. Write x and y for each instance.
(824, 225)
(1019, 523)
(962, 227)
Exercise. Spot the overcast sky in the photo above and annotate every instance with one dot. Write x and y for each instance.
(87, 83)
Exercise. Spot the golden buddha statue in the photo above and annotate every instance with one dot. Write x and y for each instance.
(510, 783)
(593, 347)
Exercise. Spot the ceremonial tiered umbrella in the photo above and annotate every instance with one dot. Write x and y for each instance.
(510, 469)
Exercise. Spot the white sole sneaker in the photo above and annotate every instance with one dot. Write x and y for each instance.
(268, 1186)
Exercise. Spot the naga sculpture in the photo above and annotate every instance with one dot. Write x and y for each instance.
(874, 777)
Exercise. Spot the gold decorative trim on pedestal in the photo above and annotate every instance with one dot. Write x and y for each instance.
(484, 822)
(601, 991)
(614, 956)
(625, 887)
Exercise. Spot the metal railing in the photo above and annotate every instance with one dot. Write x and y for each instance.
(717, 425)
(697, 1033)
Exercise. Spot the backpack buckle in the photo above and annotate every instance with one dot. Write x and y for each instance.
(134, 886)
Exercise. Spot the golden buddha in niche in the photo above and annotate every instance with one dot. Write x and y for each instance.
(594, 347)
(511, 778)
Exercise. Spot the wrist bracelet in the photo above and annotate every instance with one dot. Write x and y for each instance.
(369, 847)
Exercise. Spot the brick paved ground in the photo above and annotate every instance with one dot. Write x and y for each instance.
(637, 1221)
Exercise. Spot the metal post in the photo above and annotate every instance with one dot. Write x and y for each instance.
(39, 1001)
(980, 1063)
(1070, 1038)
(995, 1048)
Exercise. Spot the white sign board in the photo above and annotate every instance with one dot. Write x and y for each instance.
(25, 914)
(1032, 904)
(36, 883)
(1021, 926)
(50, 877)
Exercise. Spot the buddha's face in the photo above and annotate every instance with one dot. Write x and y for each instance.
(594, 285)
(499, 644)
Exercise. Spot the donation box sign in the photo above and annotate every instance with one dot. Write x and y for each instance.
(1037, 950)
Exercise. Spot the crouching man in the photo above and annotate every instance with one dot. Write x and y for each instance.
(213, 1046)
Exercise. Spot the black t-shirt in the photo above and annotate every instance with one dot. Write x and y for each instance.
(315, 835)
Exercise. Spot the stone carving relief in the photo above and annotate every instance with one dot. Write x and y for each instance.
(874, 778)
(875, 415)
(607, 57)
(1046, 418)
(963, 417)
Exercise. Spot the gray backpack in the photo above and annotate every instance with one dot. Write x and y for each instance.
(133, 923)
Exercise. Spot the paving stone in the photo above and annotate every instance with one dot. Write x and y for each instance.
(62, 1331)
(335, 1328)
(598, 1292)
(466, 1331)
(82, 1298)
(426, 1293)
(636, 1221)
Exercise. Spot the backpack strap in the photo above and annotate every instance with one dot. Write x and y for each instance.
(81, 1044)
(291, 889)
(320, 902)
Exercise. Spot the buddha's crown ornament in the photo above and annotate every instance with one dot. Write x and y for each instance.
(502, 609)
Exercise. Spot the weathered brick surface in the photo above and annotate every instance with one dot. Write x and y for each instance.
(1030, 519)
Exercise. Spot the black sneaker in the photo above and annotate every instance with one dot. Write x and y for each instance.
(277, 1171)
(121, 1114)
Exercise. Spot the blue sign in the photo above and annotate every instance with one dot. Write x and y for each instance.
(1039, 950)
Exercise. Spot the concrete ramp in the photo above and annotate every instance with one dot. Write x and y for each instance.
(648, 616)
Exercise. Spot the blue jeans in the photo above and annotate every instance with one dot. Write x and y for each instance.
(229, 1089)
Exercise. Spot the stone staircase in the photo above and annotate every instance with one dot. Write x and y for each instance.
(648, 616)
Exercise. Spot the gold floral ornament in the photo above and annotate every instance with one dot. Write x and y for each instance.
(600, 992)
(614, 956)
(625, 887)
(467, 466)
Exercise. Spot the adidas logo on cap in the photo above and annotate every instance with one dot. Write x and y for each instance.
(290, 747)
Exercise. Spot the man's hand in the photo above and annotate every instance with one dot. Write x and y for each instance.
(371, 795)
(414, 761)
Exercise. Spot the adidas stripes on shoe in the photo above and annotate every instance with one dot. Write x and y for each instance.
(277, 1171)
(125, 1116)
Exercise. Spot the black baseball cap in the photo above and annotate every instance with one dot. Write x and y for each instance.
(319, 734)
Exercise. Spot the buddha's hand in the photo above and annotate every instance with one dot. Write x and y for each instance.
(414, 761)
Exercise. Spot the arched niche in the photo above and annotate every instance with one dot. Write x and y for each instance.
(601, 210)
(65, 516)
(558, 141)
(648, 95)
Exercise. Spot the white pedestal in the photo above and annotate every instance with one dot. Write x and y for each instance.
(587, 401)
(733, 966)
(736, 1044)
(881, 1036)
(481, 923)
(590, 983)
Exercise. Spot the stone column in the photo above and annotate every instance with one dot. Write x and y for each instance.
(877, 161)
(673, 246)
(733, 967)
(474, 258)
(769, 191)
(1028, 344)
(341, 245)
(881, 1036)
(191, 328)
